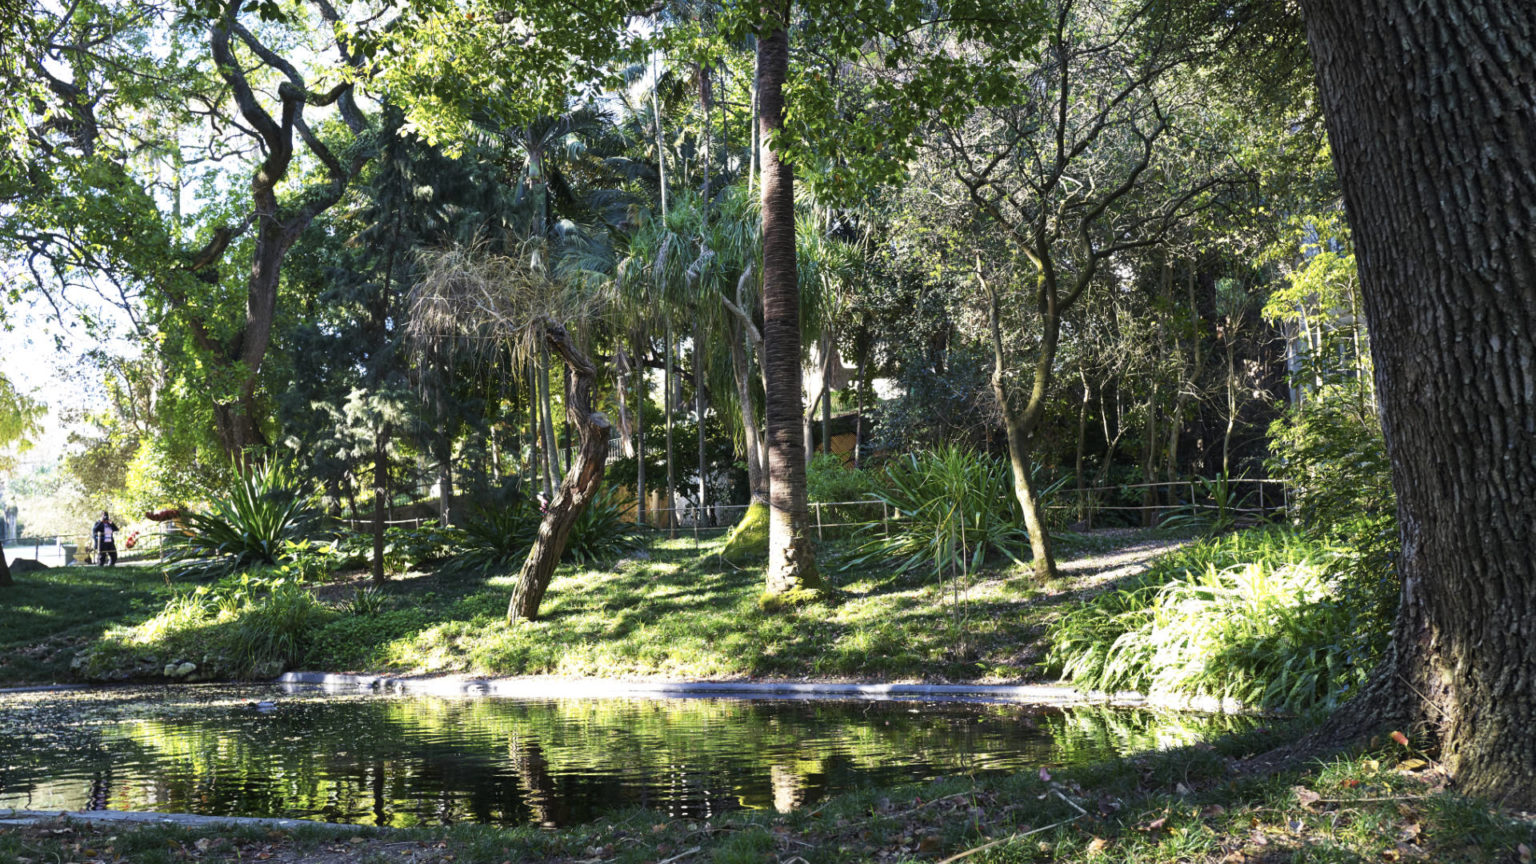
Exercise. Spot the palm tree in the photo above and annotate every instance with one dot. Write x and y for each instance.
(791, 559)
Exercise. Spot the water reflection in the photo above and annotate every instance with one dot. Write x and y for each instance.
(427, 760)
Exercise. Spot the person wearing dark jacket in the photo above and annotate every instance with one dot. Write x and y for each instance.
(104, 534)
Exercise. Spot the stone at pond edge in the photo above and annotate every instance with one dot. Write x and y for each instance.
(179, 670)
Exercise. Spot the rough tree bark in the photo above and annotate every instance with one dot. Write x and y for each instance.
(791, 559)
(581, 480)
(1431, 110)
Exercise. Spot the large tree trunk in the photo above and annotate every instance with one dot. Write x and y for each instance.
(791, 560)
(581, 481)
(1431, 108)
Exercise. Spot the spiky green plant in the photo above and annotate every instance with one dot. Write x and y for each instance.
(600, 532)
(249, 524)
(951, 507)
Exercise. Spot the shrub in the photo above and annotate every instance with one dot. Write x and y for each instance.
(250, 524)
(497, 535)
(245, 626)
(600, 532)
(951, 508)
(829, 479)
(1249, 617)
(1331, 452)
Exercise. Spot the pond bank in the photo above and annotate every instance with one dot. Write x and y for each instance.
(553, 687)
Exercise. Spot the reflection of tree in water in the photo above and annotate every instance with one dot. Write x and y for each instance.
(410, 761)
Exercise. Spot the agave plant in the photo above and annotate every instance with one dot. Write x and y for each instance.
(600, 532)
(953, 507)
(251, 523)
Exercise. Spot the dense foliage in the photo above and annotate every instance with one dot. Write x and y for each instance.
(1249, 617)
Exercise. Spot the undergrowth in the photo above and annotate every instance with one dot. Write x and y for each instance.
(1249, 617)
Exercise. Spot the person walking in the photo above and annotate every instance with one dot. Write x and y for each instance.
(104, 534)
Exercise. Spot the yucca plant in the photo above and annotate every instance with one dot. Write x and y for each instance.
(600, 532)
(497, 536)
(250, 524)
(953, 508)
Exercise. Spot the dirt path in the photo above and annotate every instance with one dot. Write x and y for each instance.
(1091, 573)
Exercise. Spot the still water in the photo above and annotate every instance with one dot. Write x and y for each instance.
(399, 761)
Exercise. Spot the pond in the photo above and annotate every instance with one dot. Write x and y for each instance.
(401, 761)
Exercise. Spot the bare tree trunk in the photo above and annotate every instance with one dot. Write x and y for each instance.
(741, 370)
(551, 447)
(1082, 444)
(380, 499)
(698, 397)
(640, 399)
(669, 405)
(791, 559)
(858, 417)
(581, 482)
(1431, 110)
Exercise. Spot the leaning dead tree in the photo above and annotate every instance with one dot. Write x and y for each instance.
(476, 302)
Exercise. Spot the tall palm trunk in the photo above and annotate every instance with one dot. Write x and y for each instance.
(791, 559)
(669, 402)
(551, 449)
(698, 403)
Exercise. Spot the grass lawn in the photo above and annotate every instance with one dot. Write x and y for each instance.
(48, 614)
(679, 612)
(1187, 805)
(672, 609)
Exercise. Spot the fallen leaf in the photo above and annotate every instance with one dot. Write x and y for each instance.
(1400, 738)
(1154, 825)
(1181, 789)
(1411, 832)
(1412, 765)
(1099, 844)
(1305, 797)
(1212, 810)
(1525, 853)
(929, 844)
(1351, 783)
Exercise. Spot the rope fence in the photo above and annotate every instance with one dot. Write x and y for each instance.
(828, 517)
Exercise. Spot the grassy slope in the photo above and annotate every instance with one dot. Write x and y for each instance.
(671, 611)
(48, 614)
(683, 613)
